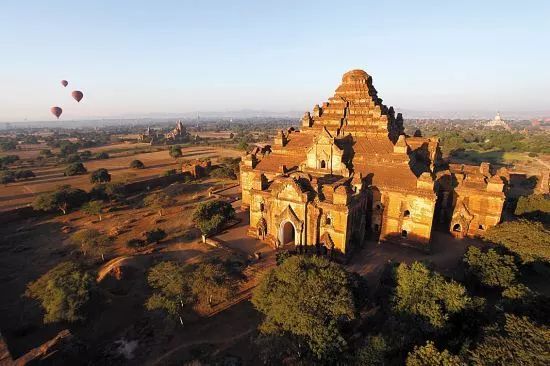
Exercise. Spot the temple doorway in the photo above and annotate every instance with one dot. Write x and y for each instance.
(287, 233)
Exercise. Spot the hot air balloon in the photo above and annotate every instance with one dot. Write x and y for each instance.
(77, 95)
(64, 83)
(56, 111)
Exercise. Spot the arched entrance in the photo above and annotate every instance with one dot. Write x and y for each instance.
(457, 228)
(287, 233)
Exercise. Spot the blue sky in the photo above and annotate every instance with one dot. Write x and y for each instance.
(139, 57)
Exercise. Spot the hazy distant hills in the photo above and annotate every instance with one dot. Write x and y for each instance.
(251, 114)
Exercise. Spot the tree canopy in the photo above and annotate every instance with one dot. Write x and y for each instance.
(529, 240)
(175, 151)
(426, 296)
(158, 201)
(75, 169)
(175, 286)
(93, 208)
(91, 241)
(307, 297)
(535, 206)
(62, 292)
(100, 176)
(137, 164)
(491, 268)
(211, 216)
(429, 355)
(516, 341)
(63, 198)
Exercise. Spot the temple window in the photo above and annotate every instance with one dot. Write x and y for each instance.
(404, 233)
(481, 227)
(328, 220)
(457, 228)
(323, 164)
(406, 213)
(378, 207)
(262, 207)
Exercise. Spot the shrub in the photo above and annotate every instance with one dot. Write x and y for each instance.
(175, 151)
(137, 164)
(24, 174)
(7, 177)
(73, 158)
(136, 243)
(102, 156)
(75, 169)
(100, 176)
(154, 236)
(169, 172)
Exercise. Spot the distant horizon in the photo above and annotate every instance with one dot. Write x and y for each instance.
(143, 59)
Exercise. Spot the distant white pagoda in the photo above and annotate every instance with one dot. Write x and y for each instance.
(497, 122)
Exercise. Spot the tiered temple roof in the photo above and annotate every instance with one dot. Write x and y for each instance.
(364, 128)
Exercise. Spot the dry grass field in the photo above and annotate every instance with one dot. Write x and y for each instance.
(31, 247)
(47, 178)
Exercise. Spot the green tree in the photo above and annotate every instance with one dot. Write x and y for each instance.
(24, 174)
(427, 296)
(518, 341)
(168, 172)
(7, 177)
(100, 176)
(529, 240)
(154, 236)
(102, 156)
(175, 151)
(8, 145)
(75, 169)
(535, 206)
(372, 353)
(158, 201)
(47, 153)
(137, 164)
(170, 288)
(308, 298)
(212, 283)
(429, 355)
(223, 173)
(211, 216)
(67, 148)
(243, 145)
(491, 268)
(93, 208)
(108, 191)
(62, 292)
(91, 241)
(63, 198)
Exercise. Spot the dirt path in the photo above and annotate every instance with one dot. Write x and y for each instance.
(207, 339)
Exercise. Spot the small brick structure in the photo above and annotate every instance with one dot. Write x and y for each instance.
(197, 168)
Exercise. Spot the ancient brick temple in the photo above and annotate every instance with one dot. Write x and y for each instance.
(350, 174)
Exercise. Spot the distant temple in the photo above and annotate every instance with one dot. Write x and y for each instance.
(177, 135)
(351, 174)
(497, 122)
